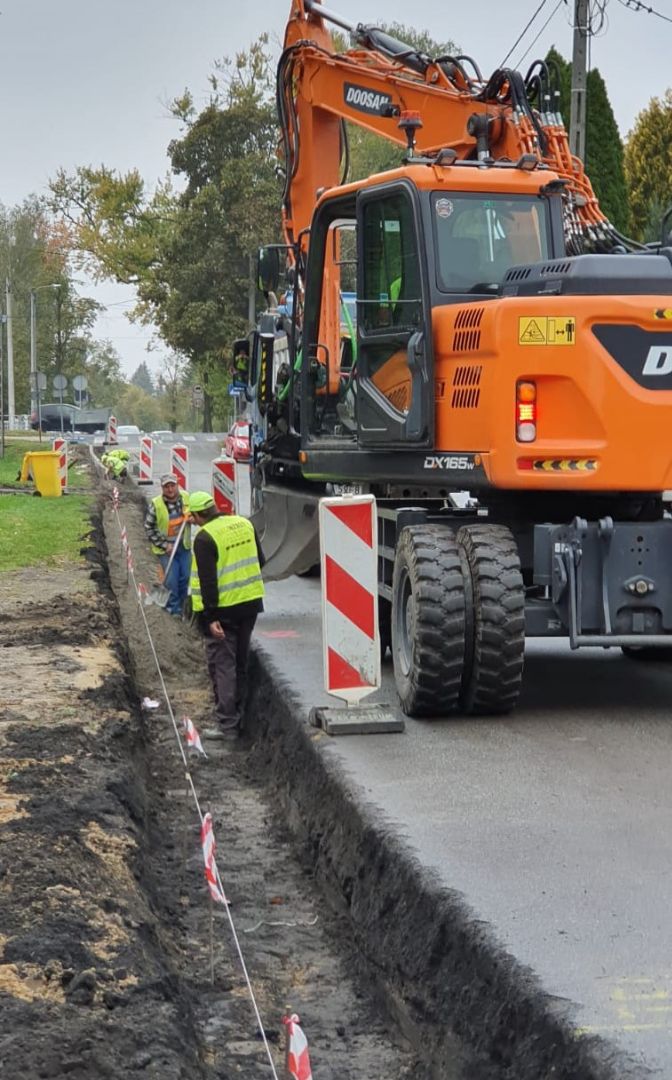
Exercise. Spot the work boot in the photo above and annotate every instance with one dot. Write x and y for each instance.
(222, 734)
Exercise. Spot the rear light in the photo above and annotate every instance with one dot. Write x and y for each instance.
(526, 412)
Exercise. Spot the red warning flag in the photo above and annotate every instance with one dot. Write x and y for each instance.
(298, 1060)
(192, 736)
(209, 847)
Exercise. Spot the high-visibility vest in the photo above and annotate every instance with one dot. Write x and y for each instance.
(170, 526)
(238, 569)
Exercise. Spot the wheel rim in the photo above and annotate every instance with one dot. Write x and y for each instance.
(404, 621)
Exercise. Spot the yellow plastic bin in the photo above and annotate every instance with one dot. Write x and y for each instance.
(42, 466)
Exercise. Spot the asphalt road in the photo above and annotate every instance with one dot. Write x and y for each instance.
(555, 823)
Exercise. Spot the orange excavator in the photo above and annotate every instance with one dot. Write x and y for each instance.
(472, 341)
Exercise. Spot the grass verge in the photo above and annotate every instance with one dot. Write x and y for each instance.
(10, 464)
(47, 532)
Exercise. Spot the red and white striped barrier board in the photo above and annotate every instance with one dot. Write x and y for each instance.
(297, 1060)
(192, 736)
(61, 446)
(179, 465)
(146, 458)
(115, 498)
(209, 847)
(112, 430)
(224, 486)
(350, 635)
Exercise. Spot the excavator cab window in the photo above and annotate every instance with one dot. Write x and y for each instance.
(394, 341)
(390, 293)
(479, 237)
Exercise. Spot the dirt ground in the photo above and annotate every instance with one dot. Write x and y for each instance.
(105, 923)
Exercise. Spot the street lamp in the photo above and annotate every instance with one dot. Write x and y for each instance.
(34, 391)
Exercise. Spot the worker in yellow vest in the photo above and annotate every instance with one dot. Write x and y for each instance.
(166, 513)
(227, 593)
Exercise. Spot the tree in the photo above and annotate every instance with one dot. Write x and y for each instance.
(189, 254)
(648, 167)
(141, 377)
(173, 396)
(137, 407)
(34, 254)
(604, 148)
(102, 368)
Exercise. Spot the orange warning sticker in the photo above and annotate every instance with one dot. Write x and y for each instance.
(546, 330)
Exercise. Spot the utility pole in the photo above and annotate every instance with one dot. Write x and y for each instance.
(577, 116)
(251, 293)
(3, 320)
(33, 355)
(11, 401)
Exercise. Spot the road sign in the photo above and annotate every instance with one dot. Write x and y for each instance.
(60, 383)
(350, 634)
(179, 464)
(40, 380)
(235, 391)
(80, 382)
(224, 486)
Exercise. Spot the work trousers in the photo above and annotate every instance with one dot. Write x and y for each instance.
(178, 578)
(227, 664)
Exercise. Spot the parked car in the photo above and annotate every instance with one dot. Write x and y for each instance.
(160, 436)
(128, 431)
(74, 418)
(237, 443)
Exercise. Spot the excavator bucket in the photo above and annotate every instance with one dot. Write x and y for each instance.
(287, 526)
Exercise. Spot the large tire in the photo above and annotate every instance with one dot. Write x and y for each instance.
(495, 620)
(427, 620)
(661, 654)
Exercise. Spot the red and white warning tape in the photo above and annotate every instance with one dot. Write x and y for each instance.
(192, 736)
(298, 1060)
(212, 873)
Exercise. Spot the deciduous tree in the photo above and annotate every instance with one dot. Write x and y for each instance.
(604, 147)
(648, 167)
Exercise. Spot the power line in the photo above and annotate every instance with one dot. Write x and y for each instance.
(535, 39)
(637, 5)
(523, 32)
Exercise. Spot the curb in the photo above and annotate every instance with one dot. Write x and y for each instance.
(469, 1008)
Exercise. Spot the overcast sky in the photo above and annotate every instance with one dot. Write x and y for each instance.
(86, 81)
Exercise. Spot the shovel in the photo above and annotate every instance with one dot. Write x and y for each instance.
(160, 595)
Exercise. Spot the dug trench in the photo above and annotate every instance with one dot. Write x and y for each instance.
(110, 965)
(105, 920)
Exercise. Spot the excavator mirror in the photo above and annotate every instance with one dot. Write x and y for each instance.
(268, 269)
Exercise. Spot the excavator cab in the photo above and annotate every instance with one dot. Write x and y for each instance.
(390, 370)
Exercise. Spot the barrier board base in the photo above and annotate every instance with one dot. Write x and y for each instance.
(359, 720)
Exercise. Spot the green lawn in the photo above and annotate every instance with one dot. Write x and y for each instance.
(10, 465)
(40, 530)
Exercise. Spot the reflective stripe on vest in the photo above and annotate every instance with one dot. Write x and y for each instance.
(238, 570)
(170, 526)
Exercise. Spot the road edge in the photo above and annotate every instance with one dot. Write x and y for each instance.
(464, 1002)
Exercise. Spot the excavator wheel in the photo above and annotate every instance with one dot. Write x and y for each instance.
(495, 620)
(427, 620)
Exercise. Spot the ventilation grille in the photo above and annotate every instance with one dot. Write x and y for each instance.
(518, 273)
(466, 386)
(555, 268)
(467, 336)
